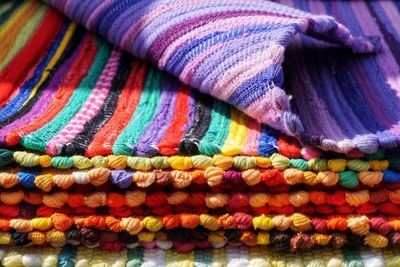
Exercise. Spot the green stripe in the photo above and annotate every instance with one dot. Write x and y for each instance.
(38, 139)
(143, 115)
(135, 257)
(7, 6)
(25, 35)
(218, 130)
(4, 7)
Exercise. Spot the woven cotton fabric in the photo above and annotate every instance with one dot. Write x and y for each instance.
(107, 160)
(67, 256)
(110, 103)
(234, 51)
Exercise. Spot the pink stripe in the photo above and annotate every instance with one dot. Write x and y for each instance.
(234, 77)
(89, 109)
(270, 108)
(221, 25)
(145, 20)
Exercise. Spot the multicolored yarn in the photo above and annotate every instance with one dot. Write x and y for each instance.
(201, 162)
(187, 240)
(162, 203)
(297, 223)
(108, 161)
(165, 117)
(211, 177)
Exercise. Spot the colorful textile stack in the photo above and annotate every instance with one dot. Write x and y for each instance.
(106, 159)
(253, 257)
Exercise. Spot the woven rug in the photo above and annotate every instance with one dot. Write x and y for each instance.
(68, 256)
(340, 101)
(165, 117)
(183, 149)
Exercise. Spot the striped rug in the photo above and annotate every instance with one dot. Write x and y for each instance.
(340, 101)
(232, 257)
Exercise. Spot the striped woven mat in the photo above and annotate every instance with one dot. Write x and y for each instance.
(233, 257)
(340, 101)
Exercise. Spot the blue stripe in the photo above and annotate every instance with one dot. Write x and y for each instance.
(103, 21)
(189, 51)
(256, 87)
(66, 258)
(268, 141)
(27, 177)
(390, 176)
(25, 90)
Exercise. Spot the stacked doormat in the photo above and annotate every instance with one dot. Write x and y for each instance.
(114, 157)
(254, 257)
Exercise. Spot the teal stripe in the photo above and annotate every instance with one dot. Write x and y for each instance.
(135, 257)
(203, 257)
(352, 257)
(218, 130)
(67, 256)
(143, 115)
(38, 139)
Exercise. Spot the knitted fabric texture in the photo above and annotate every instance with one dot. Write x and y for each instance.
(234, 51)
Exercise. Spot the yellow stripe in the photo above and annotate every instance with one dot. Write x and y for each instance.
(237, 134)
(20, 35)
(9, 25)
(170, 258)
(187, 259)
(173, 258)
(55, 58)
(219, 257)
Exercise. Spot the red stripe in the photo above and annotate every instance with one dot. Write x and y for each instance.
(78, 71)
(17, 69)
(169, 143)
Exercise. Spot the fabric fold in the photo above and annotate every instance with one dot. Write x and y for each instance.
(232, 50)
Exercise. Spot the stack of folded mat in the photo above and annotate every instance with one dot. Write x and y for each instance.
(102, 150)
(185, 202)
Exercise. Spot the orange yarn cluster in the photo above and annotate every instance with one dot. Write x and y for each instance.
(358, 225)
(210, 200)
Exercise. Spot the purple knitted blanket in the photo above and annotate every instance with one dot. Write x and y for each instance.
(234, 50)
